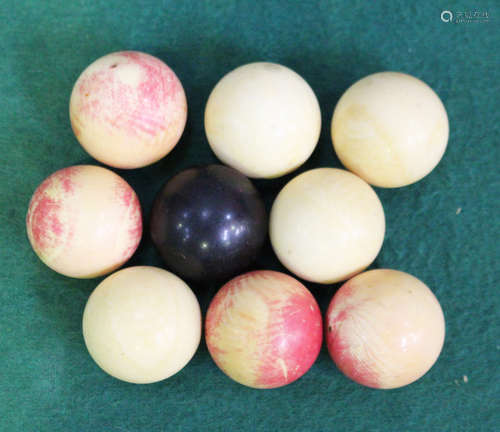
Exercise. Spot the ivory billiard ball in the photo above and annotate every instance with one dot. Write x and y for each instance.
(84, 221)
(326, 225)
(264, 329)
(262, 119)
(384, 329)
(390, 128)
(128, 109)
(142, 324)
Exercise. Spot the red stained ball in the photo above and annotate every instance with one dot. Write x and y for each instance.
(384, 328)
(128, 109)
(264, 329)
(84, 221)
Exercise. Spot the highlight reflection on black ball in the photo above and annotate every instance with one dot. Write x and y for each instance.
(208, 223)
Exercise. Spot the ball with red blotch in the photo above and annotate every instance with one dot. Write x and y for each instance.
(128, 109)
(384, 329)
(84, 221)
(264, 329)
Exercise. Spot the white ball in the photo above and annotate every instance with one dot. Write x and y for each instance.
(142, 324)
(262, 119)
(326, 225)
(390, 128)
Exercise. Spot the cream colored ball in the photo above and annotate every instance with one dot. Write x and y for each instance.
(262, 119)
(142, 324)
(326, 225)
(384, 329)
(390, 128)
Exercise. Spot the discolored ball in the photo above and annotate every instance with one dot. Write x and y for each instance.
(384, 329)
(84, 221)
(264, 329)
(128, 109)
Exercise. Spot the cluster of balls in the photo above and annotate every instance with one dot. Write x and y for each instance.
(384, 328)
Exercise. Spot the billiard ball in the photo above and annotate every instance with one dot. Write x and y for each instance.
(208, 223)
(326, 225)
(128, 109)
(384, 329)
(264, 329)
(262, 119)
(142, 324)
(84, 221)
(390, 128)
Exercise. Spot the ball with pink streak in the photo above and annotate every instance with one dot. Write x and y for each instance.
(384, 329)
(84, 221)
(128, 109)
(264, 329)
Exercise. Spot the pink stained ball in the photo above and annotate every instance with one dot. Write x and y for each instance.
(84, 221)
(128, 109)
(384, 329)
(264, 329)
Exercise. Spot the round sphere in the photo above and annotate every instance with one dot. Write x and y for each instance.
(208, 223)
(128, 109)
(390, 128)
(262, 119)
(326, 225)
(384, 329)
(72, 221)
(264, 329)
(142, 324)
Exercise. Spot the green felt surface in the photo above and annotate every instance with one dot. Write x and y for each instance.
(48, 382)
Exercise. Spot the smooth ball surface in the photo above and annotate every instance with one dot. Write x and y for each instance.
(208, 223)
(384, 329)
(84, 221)
(326, 225)
(264, 329)
(262, 119)
(390, 128)
(142, 324)
(128, 109)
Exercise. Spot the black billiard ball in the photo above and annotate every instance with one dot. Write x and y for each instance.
(208, 223)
